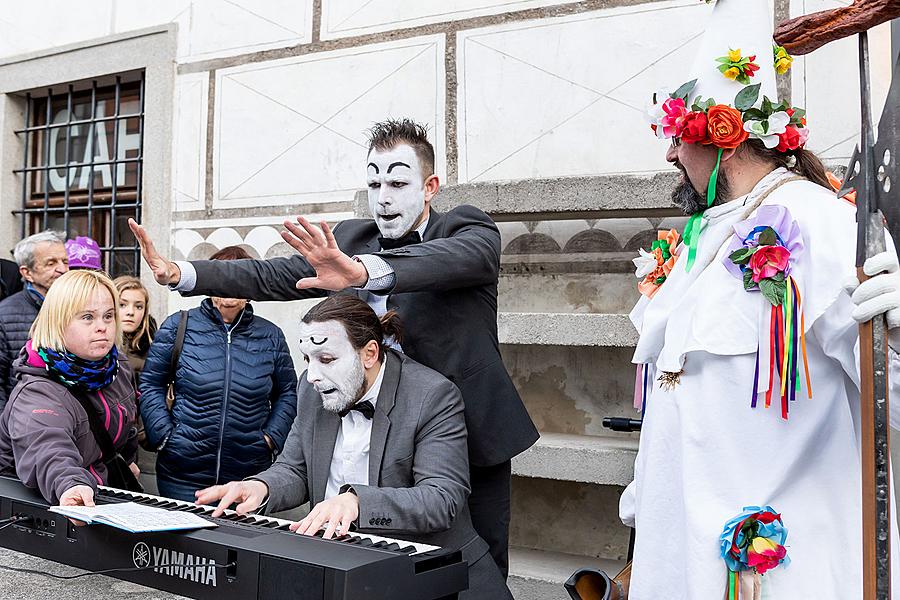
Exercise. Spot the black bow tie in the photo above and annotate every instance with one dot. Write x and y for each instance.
(412, 237)
(365, 408)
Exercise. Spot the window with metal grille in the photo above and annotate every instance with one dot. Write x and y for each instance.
(83, 149)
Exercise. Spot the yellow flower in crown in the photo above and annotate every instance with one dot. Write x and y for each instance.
(736, 67)
(783, 60)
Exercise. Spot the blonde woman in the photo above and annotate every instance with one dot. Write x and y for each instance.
(69, 367)
(138, 327)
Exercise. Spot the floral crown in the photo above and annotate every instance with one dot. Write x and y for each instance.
(705, 121)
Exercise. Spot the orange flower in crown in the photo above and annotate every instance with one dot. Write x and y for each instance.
(726, 126)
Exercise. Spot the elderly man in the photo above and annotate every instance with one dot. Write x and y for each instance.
(41, 259)
(437, 270)
(379, 442)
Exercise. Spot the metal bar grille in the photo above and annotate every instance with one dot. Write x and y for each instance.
(83, 164)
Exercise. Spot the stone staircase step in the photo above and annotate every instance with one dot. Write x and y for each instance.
(583, 458)
(596, 197)
(566, 329)
(539, 575)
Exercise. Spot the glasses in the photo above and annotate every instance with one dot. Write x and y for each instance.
(676, 142)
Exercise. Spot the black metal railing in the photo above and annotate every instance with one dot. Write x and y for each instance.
(83, 165)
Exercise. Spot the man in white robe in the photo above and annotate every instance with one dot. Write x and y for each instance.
(705, 451)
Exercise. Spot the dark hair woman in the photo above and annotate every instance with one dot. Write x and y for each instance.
(235, 395)
(138, 326)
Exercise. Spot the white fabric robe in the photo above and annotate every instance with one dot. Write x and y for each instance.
(705, 453)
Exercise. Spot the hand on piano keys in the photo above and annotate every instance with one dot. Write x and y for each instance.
(229, 516)
(333, 515)
(249, 494)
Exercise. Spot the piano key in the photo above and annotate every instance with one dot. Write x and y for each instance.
(357, 538)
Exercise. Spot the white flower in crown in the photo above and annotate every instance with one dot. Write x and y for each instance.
(644, 264)
(770, 129)
(654, 112)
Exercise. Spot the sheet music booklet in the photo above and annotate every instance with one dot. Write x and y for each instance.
(133, 517)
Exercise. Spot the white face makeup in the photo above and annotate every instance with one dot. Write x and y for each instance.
(396, 190)
(334, 366)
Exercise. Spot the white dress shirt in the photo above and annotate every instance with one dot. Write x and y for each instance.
(381, 278)
(350, 460)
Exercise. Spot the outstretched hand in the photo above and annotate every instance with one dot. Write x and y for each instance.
(335, 270)
(164, 271)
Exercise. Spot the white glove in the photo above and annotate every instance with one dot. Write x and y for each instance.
(881, 293)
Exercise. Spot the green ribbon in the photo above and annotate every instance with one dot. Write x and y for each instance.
(695, 223)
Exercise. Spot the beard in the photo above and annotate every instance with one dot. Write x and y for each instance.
(346, 392)
(686, 197)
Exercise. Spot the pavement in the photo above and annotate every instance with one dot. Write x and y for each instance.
(34, 586)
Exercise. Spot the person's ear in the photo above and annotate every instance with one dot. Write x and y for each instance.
(728, 153)
(25, 273)
(370, 354)
(432, 185)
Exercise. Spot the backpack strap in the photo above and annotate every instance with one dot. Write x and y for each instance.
(179, 344)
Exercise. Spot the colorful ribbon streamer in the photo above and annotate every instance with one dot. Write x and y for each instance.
(785, 352)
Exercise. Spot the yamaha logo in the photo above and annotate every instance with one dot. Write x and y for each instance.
(175, 564)
(141, 555)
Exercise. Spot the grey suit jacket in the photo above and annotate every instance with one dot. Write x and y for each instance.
(418, 463)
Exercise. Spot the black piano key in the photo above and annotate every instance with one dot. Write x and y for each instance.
(393, 546)
(269, 523)
(408, 549)
(352, 539)
(285, 527)
(365, 542)
(380, 544)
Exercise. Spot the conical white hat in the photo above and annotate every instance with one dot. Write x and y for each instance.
(746, 25)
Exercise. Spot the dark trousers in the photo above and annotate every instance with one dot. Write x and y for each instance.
(489, 505)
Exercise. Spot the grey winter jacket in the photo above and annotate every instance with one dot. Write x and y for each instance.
(45, 437)
(17, 313)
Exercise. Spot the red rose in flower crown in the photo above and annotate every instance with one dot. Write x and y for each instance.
(695, 129)
(768, 260)
(726, 127)
(792, 138)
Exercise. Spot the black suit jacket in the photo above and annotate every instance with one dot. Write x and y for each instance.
(10, 279)
(446, 295)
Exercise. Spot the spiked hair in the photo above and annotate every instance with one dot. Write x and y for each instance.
(389, 134)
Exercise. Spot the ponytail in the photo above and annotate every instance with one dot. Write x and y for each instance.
(391, 327)
(809, 166)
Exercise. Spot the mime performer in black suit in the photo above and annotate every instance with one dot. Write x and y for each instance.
(439, 272)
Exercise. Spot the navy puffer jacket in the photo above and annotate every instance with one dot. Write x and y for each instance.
(230, 388)
(17, 313)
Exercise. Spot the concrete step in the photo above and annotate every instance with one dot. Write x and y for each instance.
(597, 197)
(539, 575)
(582, 458)
(566, 329)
